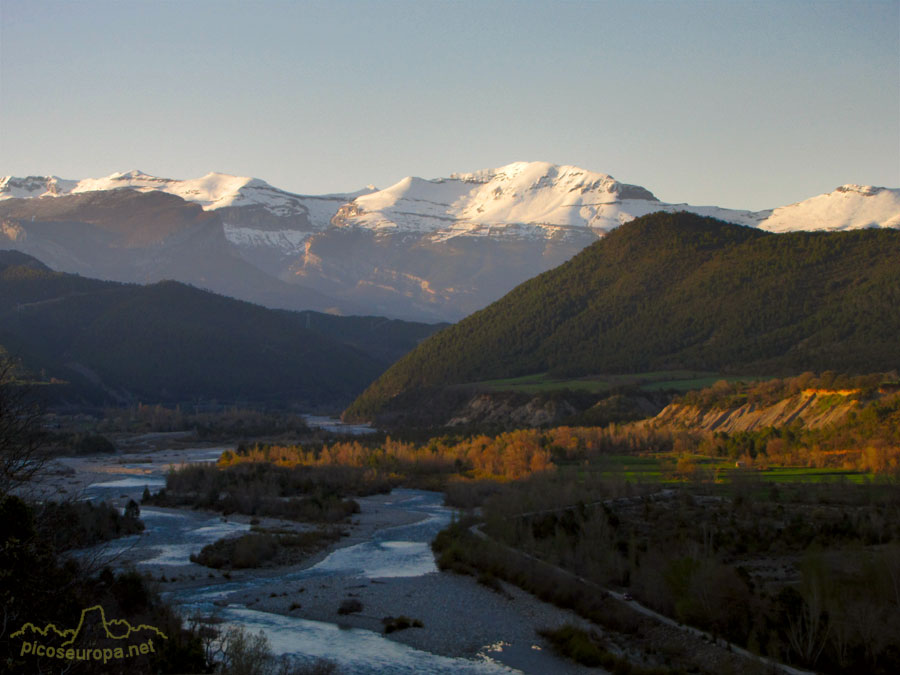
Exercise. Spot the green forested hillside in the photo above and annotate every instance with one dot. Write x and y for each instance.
(170, 342)
(671, 291)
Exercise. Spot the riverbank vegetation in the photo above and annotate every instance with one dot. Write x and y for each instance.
(507, 456)
(259, 489)
(39, 585)
(590, 649)
(214, 423)
(395, 623)
(262, 548)
(865, 442)
(782, 540)
(639, 643)
(73, 525)
(805, 574)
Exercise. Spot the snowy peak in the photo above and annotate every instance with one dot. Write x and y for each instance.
(541, 200)
(525, 176)
(212, 191)
(531, 198)
(136, 175)
(848, 207)
(543, 193)
(425, 249)
(255, 215)
(864, 190)
(34, 186)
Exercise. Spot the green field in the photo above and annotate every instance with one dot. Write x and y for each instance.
(542, 383)
(662, 468)
(666, 380)
(793, 474)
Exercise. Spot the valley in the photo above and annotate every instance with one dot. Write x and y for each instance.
(502, 338)
(676, 451)
(383, 559)
(541, 538)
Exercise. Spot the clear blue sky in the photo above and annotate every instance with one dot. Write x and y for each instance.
(745, 104)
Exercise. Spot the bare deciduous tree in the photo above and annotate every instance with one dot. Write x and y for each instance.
(809, 628)
(21, 453)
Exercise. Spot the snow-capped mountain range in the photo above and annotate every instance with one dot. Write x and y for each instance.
(212, 191)
(425, 249)
(534, 199)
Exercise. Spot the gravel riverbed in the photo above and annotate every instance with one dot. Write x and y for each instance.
(460, 617)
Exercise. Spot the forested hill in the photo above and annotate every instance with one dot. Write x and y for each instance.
(670, 291)
(110, 342)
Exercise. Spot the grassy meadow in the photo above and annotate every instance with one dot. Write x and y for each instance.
(670, 467)
(662, 380)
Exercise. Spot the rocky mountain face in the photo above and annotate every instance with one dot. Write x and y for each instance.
(445, 248)
(144, 237)
(811, 409)
(512, 412)
(422, 249)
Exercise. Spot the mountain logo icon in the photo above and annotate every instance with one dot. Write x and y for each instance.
(95, 638)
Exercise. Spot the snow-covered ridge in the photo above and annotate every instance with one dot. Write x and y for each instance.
(849, 207)
(12, 187)
(541, 200)
(524, 200)
(420, 249)
(522, 193)
(540, 175)
(212, 191)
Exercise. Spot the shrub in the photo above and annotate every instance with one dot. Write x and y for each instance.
(244, 653)
(394, 623)
(92, 444)
(78, 524)
(250, 550)
(258, 548)
(350, 606)
(578, 645)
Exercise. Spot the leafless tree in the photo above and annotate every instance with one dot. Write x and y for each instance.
(21, 452)
(809, 629)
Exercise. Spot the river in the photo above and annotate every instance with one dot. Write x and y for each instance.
(390, 567)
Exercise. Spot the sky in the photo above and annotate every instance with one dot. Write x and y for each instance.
(737, 103)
